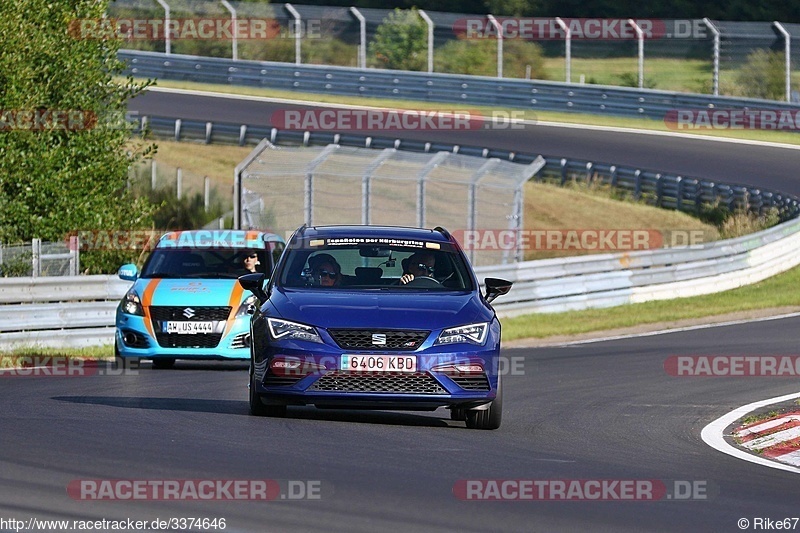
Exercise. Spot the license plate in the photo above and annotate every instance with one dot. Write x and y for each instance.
(379, 363)
(188, 327)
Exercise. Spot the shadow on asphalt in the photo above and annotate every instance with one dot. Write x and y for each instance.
(234, 407)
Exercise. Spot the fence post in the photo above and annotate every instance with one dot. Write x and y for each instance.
(298, 28)
(499, 30)
(206, 193)
(167, 41)
(153, 174)
(567, 47)
(640, 39)
(36, 252)
(179, 182)
(787, 50)
(715, 59)
(235, 43)
(362, 47)
(74, 255)
(430, 24)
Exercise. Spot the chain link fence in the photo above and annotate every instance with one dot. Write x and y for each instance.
(690, 55)
(285, 187)
(40, 259)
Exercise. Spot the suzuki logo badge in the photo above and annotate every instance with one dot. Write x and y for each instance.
(188, 312)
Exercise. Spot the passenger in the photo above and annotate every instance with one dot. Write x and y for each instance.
(250, 262)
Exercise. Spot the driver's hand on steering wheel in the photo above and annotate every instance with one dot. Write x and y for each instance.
(406, 278)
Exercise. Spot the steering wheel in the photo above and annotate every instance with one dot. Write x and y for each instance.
(423, 282)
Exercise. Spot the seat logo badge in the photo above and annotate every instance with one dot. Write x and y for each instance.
(379, 339)
(188, 312)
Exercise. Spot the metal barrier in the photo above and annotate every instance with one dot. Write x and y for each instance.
(65, 311)
(457, 89)
(684, 193)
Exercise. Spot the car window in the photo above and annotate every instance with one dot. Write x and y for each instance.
(370, 266)
(202, 262)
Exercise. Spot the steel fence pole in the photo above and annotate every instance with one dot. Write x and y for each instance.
(715, 59)
(567, 47)
(298, 21)
(167, 39)
(362, 22)
(234, 40)
(640, 39)
(787, 47)
(499, 44)
(431, 27)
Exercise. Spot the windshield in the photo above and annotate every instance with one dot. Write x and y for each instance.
(344, 263)
(205, 262)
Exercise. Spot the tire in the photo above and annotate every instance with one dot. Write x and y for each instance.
(257, 407)
(488, 418)
(458, 414)
(163, 363)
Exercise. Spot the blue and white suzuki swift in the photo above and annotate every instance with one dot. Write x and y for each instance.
(186, 302)
(376, 318)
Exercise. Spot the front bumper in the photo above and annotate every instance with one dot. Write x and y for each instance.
(320, 381)
(134, 339)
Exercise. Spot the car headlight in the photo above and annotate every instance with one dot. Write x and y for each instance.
(471, 333)
(247, 306)
(285, 330)
(131, 304)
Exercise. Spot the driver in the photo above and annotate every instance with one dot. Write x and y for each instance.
(420, 264)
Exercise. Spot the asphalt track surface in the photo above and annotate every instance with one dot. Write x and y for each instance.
(604, 410)
(762, 166)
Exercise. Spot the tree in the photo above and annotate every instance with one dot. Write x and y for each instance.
(66, 170)
(401, 41)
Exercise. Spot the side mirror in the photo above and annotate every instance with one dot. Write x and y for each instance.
(496, 287)
(128, 272)
(255, 284)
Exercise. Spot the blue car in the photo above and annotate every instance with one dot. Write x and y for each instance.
(377, 318)
(186, 302)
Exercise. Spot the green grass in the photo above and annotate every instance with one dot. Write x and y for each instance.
(777, 292)
(15, 357)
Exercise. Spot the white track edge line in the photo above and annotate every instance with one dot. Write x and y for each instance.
(617, 129)
(712, 434)
(673, 330)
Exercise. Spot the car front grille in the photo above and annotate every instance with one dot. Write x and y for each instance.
(416, 383)
(365, 339)
(193, 340)
(472, 382)
(189, 312)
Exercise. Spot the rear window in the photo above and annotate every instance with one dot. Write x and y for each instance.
(360, 263)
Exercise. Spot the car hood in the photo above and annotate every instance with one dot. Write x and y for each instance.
(197, 292)
(379, 309)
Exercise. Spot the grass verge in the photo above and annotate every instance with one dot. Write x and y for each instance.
(16, 357)
(775, 292)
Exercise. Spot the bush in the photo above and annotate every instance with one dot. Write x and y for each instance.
(401, 42)
(479, 57)
(763, 75)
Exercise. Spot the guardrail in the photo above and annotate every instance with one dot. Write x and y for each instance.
(64, 311)
(673, 191)
(457, 89)
(544, 286)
